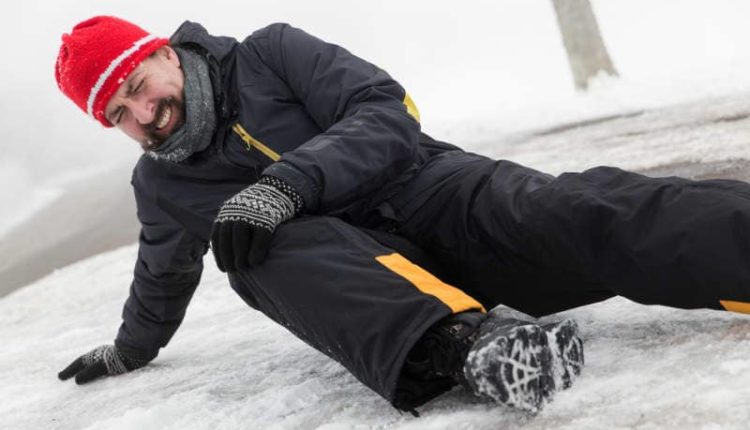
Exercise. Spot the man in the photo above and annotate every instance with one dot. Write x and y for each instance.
(305, 168)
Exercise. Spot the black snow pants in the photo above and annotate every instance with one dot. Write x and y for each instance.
(507, 234)
(496, 233)
(355, 299)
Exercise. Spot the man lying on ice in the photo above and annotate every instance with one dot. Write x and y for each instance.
(305, 169)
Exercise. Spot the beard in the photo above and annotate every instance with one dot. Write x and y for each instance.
(155, 137)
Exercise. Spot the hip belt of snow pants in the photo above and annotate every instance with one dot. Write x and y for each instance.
(354, 299)
(504, 233)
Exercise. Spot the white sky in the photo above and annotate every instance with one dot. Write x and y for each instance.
(492, 62)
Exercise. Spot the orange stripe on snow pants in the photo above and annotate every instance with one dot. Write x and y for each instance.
(741, 307)
(427, 283)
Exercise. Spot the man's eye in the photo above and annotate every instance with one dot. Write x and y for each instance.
(116, 116)
(137, 88)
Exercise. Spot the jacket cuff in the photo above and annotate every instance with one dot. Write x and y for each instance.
(299, 181)
(135, 353)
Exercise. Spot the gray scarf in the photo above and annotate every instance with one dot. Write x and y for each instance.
(200, 119)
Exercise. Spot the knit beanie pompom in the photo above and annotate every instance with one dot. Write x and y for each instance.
(96, 58)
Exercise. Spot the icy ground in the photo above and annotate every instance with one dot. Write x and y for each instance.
(229, 367)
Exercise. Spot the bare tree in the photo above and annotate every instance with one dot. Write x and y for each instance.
(587, 54)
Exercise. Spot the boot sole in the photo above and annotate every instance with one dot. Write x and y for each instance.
(568, 348)
(513, 369)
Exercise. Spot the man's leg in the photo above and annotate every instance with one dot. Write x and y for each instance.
(355, 300)
(507, 358)
(395, 326)
(509, 234)
(667, 241)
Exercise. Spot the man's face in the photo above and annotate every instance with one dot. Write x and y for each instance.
(149, 105)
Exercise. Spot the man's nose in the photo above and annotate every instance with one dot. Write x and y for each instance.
(143, 110)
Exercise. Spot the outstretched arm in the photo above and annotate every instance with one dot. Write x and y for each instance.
(167, 272)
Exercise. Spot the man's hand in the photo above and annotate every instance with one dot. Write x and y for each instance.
(106, 360)
(243, 228)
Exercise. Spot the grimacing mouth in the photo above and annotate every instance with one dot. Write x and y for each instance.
(167, 108)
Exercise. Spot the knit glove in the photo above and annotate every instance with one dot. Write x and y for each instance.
(242, 231)
(106, 360)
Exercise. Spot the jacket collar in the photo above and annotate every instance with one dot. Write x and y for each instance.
(193, 33)
(218, 51)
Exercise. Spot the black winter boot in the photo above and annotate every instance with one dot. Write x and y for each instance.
(442, 350)
(510, 360)
(521, 364)
(568, 351)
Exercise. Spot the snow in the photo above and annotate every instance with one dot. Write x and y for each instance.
(486, 76)
(230, 367)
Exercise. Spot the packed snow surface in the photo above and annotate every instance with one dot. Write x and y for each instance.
(230, 367)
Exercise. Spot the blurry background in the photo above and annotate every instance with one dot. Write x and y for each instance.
(480, 72)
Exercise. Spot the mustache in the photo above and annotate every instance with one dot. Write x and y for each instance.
(154, 137)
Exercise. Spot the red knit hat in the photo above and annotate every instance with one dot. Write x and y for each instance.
(97, 57)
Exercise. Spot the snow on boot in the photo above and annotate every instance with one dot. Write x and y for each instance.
(510, 360)
(512, 363)
(568, 351)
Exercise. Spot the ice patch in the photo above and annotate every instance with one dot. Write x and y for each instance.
(735, 367)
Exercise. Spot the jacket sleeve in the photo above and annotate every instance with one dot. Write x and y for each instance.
(369, 136)
(167, 272)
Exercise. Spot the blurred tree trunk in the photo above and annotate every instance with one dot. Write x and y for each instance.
(587, 54)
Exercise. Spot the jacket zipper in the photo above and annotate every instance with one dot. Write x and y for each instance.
(251, 142)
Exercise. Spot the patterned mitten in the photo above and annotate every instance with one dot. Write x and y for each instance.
(242, 230)
(106, 360)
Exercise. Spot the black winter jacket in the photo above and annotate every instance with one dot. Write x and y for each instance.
(338, 129)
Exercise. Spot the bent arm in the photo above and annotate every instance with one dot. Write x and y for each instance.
(370, 136)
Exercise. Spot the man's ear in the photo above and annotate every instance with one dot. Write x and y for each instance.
(169, 54)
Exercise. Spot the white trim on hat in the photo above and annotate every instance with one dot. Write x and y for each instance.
(112, 66)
